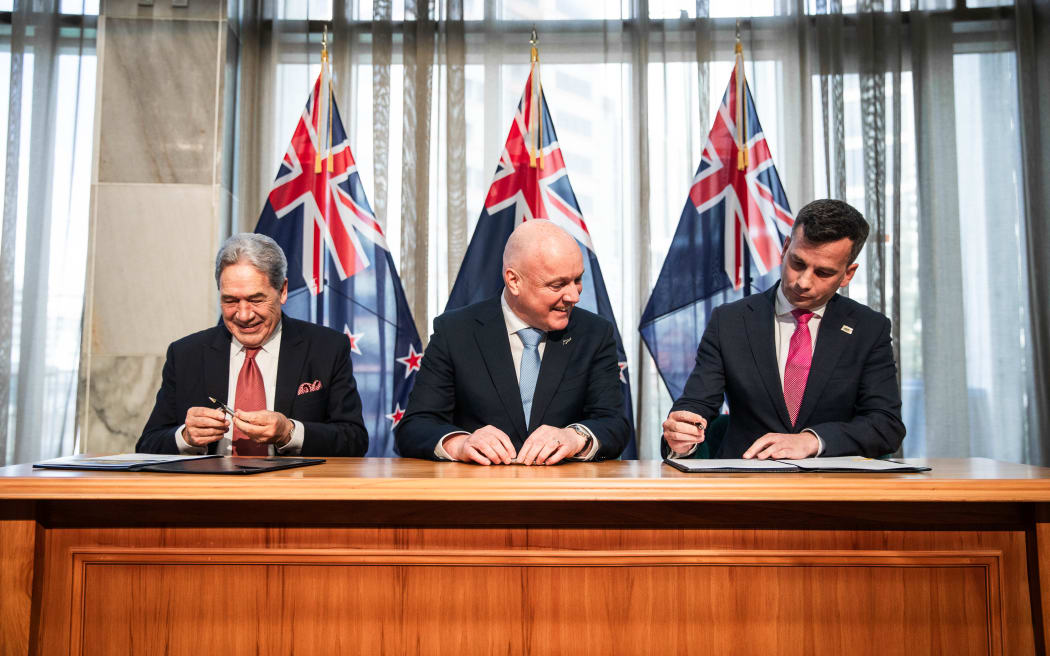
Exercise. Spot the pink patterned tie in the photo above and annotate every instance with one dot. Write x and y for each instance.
(800, 355)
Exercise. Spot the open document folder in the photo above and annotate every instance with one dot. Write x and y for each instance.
(173, 464)
(841, 464)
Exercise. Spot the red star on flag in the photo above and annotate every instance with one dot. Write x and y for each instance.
(411, 361)
(353, 337)
(623, 368)
(396, 415)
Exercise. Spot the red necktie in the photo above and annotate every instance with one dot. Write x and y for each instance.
(800, 355)
(251, 395)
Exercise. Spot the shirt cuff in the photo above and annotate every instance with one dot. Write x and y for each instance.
(184, 447)
(675, 456)
(295, 445)
(439, 450)
(592, 451)
(820, 442)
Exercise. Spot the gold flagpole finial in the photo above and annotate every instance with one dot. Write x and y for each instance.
(534, 41)
(324, 44)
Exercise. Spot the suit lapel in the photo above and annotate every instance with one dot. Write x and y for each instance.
(552, 368)
(290, 363)
(831, 342)
(217, 365)
(760, 323)
(494, 345)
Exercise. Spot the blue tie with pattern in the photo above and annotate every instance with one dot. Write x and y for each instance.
(530, 368)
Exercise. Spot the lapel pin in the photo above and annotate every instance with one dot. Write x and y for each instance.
(847, 329)
(565, 342)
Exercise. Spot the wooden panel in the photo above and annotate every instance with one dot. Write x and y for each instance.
(538, 603)
(943, 589)
(18, 531)
(378, 479)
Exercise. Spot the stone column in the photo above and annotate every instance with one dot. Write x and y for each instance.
(161, 202)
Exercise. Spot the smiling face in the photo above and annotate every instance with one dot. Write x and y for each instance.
(251, 307)
(810, 274)
(543, 274)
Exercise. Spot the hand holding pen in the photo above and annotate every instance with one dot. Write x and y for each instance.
(206, 425)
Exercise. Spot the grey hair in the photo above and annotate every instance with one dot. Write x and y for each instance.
(260, 251)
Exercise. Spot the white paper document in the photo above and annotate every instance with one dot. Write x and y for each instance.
(842, 464)
(116, 462)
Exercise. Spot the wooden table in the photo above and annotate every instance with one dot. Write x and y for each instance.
(369, 556)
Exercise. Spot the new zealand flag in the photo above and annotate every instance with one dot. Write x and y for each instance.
(340, 271)
(728, 240)
(531, 182)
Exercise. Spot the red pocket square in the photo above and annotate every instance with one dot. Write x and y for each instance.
(306, 388)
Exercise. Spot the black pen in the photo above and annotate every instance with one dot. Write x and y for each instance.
(224, 406)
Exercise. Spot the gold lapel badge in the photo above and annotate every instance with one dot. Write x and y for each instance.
(847, 329)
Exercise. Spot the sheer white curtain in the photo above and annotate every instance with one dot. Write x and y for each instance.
(909, 113)
(49, 53)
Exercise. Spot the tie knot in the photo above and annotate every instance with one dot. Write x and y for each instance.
(802, 317)
(530, 337)
(250, 353)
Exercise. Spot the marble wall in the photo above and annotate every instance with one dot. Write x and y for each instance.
(161, 202)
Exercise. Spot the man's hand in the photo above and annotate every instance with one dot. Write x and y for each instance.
(784, 446)
(264, 426)
(683, 430)
(204, 426)
(548, 445)
(485, 446)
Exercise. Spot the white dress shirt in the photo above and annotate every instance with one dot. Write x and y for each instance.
(517, 347)
(266, 359)
(782, 332)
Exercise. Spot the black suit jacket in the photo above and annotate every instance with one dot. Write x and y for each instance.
(198, 366)
(467, 380)
(852, 400)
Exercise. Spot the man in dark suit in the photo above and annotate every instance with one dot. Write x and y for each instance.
(291, 382)
(806, 372)
(482, 395)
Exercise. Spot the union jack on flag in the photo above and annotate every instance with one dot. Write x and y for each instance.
(532, 182)
(728, 240)
(340, 271)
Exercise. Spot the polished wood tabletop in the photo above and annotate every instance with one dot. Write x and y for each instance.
(379, 479)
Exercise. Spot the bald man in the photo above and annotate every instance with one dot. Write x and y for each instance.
(524, 378)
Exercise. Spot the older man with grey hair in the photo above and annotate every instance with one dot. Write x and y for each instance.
(290, 382)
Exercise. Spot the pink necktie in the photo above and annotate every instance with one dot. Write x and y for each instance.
(251, 395)
(800, 355)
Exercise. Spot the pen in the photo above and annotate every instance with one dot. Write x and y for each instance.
(224, 406)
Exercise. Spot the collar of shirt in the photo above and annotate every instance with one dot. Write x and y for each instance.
(783, 307)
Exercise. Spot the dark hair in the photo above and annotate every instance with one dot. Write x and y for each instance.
(827, 220)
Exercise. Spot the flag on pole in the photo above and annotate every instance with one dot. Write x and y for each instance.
(728, 240)
(532, 182)
(340, 271)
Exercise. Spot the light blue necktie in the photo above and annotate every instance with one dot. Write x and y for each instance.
(530, 368)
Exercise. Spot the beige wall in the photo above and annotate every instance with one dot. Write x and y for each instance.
(161, 203)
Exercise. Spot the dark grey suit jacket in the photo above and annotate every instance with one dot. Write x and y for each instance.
(852, 400)
(467, 381)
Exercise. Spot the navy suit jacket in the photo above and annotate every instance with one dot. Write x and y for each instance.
(852, 399)
(467, 381)
(198, 366)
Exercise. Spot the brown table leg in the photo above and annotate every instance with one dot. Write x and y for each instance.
(18, 535)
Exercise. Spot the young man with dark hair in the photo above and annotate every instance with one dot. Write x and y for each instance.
(806, 372)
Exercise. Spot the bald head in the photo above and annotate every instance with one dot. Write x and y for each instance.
(536, 237)
(542, 271)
